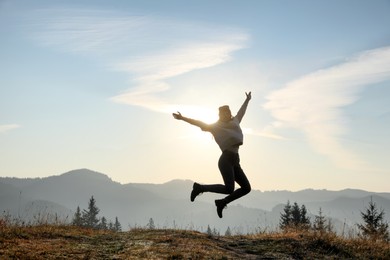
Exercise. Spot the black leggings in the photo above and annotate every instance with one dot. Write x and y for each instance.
(229, 165)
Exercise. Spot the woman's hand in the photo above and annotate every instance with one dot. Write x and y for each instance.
(177, 116)
(248, 95)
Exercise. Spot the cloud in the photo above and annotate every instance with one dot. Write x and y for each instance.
(151, 70)
(7, 128)
(314, 103)
(150, 49)
(96, 32)
(170, 63)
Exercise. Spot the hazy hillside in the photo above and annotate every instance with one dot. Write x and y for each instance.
(132, 205)
(342, 206)
(169, 205)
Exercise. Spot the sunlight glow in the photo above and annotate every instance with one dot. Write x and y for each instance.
(203, 114)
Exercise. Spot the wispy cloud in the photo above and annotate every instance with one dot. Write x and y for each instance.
(152, 70)
(96, 32)
(150, 49)
(314, 103)
(7, 128)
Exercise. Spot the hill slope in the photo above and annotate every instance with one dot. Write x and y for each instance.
(134, 205)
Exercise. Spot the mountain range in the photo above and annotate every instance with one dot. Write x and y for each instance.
(169, 205)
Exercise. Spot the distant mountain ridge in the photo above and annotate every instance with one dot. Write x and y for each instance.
(169, 205)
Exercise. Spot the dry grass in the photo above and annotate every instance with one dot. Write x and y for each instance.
(68, 242)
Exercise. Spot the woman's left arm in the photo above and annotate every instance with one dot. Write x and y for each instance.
(241, 112)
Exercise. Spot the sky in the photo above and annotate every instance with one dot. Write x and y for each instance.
(93, 84)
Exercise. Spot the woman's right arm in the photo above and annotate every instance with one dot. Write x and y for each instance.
(202, 125)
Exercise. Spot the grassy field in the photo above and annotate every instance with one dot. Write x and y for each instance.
(69, 242)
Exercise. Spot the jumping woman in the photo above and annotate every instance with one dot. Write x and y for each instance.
(228, 135)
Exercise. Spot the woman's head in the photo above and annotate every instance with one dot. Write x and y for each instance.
(225, 115)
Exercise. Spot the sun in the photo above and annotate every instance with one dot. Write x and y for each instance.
(203, 114)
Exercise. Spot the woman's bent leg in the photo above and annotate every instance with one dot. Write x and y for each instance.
(242, 180)
(226, 167)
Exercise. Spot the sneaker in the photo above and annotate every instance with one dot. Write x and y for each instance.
(196, 190)
(221, 204)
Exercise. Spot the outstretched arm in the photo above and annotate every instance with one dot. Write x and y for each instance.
(241, 112)
(202, 125)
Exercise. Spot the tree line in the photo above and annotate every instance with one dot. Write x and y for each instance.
(293, 218)
(89, 218)
(374, 226)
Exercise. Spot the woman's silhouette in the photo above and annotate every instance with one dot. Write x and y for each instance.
(228, 135)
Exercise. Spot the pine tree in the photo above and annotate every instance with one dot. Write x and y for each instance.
(228, 232)
(374, 226)
(319, 224)
(305, 220)
(90, 216)
(111, 226)
(150, 224)
(77, 219)
(209, 231)
(215, 232)
(103, 223)
(329, 226)
(118, 226)
(295, 215)
(285, 218)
